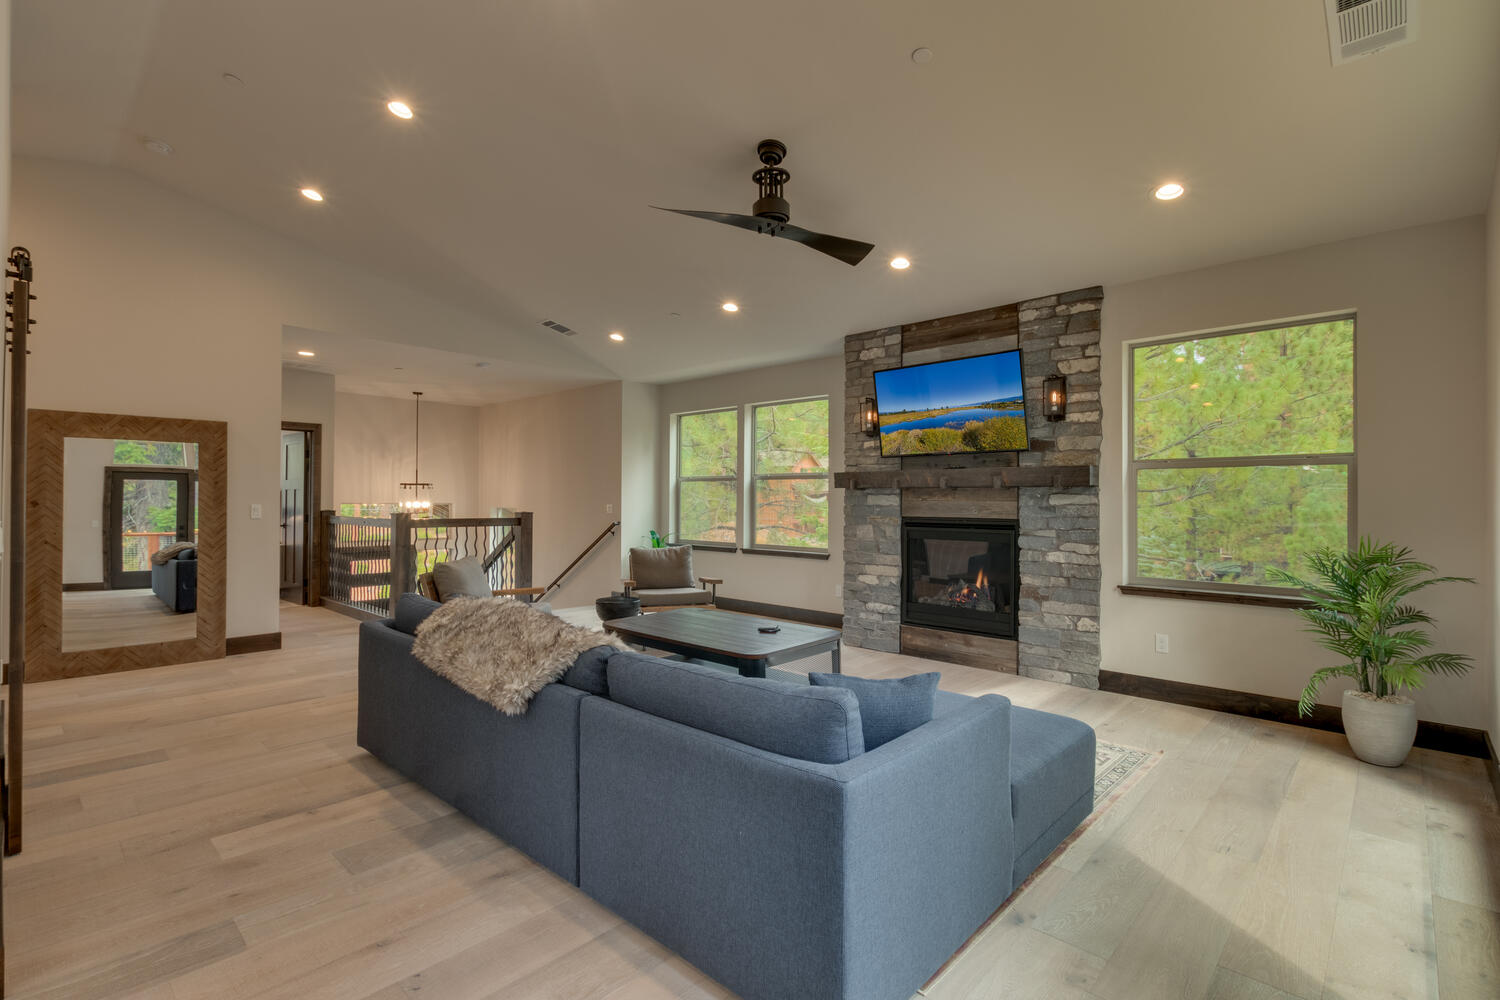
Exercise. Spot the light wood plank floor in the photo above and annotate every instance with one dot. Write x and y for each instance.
(212, 831)
(98, 619)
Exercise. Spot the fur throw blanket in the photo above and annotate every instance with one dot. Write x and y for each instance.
(502, 651)
(163, 556)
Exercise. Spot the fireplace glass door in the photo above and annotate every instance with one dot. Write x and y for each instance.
(960, 575)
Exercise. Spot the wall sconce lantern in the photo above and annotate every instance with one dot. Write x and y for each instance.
(870, 417)
(1055, 397)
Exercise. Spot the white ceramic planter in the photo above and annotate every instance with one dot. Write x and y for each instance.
(1380, 730)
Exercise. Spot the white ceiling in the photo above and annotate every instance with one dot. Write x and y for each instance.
(383, 368)
(1019, 161)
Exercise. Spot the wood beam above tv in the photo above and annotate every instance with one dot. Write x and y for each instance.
(1055, 476)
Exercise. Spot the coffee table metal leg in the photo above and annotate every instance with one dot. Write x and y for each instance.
(834, 653)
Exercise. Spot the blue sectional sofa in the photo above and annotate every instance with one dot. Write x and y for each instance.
(739, 821)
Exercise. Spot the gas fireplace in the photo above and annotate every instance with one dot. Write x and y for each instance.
(960, 575)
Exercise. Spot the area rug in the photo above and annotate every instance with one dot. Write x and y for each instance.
(1117, 769)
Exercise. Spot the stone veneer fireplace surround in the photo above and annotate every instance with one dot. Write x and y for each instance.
(1050, 491)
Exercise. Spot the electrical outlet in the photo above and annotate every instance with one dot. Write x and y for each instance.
(255, 512)
(838, 590)
(1161, 642)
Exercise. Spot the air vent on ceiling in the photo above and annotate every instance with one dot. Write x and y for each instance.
(1364, 27)
(558, 328)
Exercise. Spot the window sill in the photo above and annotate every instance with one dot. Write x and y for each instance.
(785, 552)
(1215, 596)
(709, 546)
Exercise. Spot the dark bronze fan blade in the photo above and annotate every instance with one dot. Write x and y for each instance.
(851, 252)
(753, 223)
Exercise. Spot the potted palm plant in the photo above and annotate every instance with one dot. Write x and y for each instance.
(1360, 612)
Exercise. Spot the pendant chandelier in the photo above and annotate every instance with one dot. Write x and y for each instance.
(420, 498)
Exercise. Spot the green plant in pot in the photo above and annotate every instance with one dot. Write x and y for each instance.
(1361, 612)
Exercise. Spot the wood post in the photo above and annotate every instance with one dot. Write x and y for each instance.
(523, 549)
(403, 560)
(318, 585)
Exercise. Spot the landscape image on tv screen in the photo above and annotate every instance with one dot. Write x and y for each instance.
(949, 407)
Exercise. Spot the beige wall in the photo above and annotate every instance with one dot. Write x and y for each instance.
(373, 451)
(559, 456)
(1492, 274)
(307, 398)
(1423, 468)
(84, 462)
(791, 582)
(138, 284)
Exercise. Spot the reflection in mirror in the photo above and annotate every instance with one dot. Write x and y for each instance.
(130, 523)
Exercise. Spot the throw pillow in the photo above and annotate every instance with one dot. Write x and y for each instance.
(887, 708)
(659, 569)
(460, 578)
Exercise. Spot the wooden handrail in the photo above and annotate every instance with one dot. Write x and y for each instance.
(589, 548)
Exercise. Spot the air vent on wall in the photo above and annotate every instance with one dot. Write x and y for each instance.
(558, 328)
(1359, 28)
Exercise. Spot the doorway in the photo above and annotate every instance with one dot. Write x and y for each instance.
(148, 509)
(301, 471)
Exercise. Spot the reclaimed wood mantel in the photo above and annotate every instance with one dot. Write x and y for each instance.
(983, 477)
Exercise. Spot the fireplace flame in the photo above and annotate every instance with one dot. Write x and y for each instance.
(980, 581)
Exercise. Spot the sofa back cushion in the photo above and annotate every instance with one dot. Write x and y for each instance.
(588, 671)
(411, 611)
(460, 578)
(821, 725)
(659, 569)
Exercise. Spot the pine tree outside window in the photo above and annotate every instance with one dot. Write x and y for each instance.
(1242, 453)
(789, 485)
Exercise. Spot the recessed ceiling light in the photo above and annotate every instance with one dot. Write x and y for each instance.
(232, 80)
(922, 55)
(160, 147)
(900, 263)
(1169, 191)
(312, 194)
(307, 354)
(730, 307)
(617, 336)
(482, 364)
(400, 109)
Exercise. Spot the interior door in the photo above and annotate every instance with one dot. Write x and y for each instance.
(148, 510)
(294, 456)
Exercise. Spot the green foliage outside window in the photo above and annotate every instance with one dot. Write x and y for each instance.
(707, 466)
(1242, 450)
(791, 474)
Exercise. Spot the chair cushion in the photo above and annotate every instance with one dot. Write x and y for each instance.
(411, 611)
(815, 724)
(588, 671)
(887, 708)
(672, 596)
(658, 569)
(1051, 767)
(460, 578)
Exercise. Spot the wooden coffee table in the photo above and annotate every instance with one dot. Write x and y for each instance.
(725, 637)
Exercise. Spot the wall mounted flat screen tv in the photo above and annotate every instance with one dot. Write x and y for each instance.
(963, 406)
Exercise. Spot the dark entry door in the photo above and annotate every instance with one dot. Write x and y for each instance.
(295, 455)
(147, 512)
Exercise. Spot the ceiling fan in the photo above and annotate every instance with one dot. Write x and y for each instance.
(772, 211)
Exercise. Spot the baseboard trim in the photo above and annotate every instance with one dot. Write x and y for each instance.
(1430, 735)
(77, 588)
(236, 645)
(823, 619)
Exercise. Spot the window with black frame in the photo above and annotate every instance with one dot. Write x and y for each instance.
(1241, 453)
(789, 481)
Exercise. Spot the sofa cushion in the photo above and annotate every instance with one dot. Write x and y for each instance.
(672, 596)
(587, 672)
(460, 578)
(814, 724)
(411, 611)
(1051, 768)
(660, 569)
(887, 707)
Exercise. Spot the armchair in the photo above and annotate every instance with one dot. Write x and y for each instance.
(663, 578)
